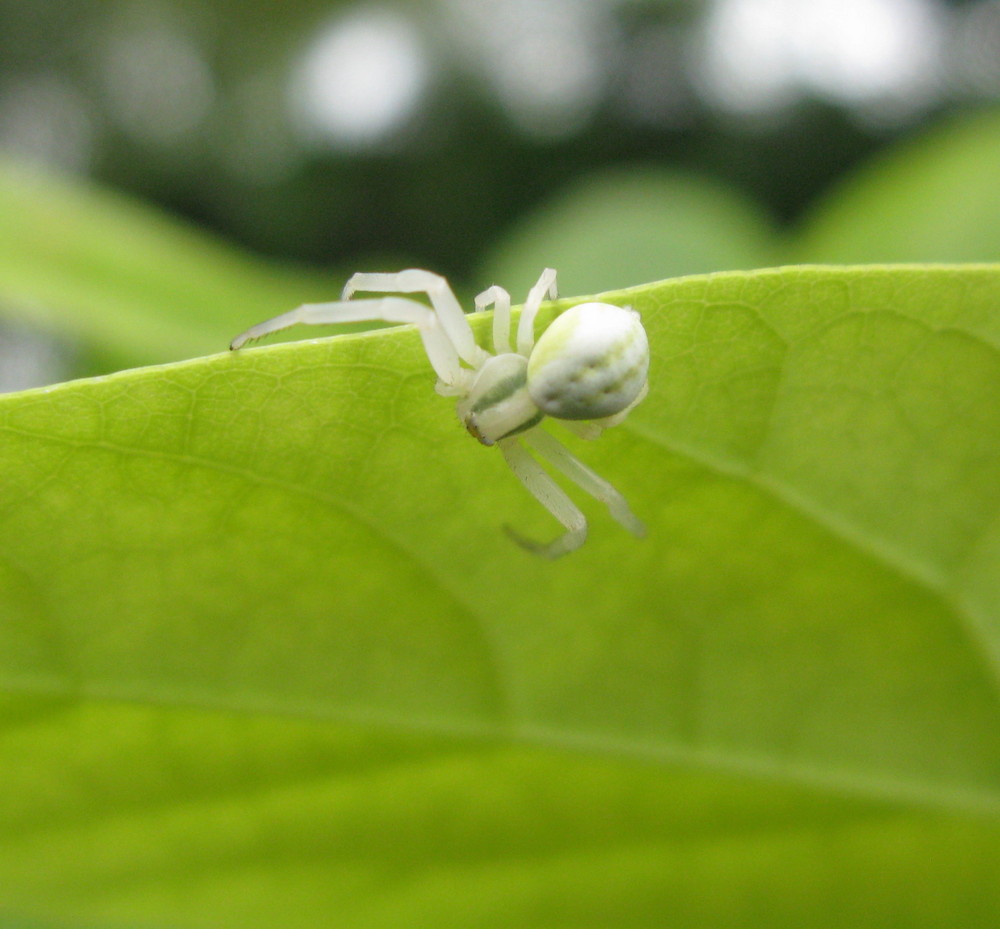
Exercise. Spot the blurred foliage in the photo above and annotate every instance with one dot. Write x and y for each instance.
(442, 190)
(617, 228)
(130, 286)
(120, 278)
(937, 198)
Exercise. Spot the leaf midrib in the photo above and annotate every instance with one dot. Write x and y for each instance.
(841, 784)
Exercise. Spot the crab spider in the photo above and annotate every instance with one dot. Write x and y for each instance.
(587, 369)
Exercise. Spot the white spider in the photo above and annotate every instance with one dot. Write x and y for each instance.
(587, 369)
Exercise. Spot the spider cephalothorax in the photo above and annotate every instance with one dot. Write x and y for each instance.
(588, 370)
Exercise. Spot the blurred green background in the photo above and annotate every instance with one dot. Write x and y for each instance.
(262, 662)
(619, 140)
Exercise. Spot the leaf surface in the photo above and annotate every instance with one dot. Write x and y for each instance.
(268, 659)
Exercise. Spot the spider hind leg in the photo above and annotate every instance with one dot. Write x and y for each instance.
(547, 492)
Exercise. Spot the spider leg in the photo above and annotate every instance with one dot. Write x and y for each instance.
(591, 429)
(499, 299)
(545, 288)
(440, 351)
(446, 305)
(584, 428)
(564, 461)
(615, 418)
(547, 492)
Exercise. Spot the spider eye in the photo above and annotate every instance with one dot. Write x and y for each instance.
(590, 363)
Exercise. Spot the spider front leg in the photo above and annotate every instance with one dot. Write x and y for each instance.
(440, 351)
(563, 460)
(545, 288)
(446, 306)
(499, 299)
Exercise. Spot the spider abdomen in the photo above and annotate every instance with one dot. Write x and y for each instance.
(591, 362)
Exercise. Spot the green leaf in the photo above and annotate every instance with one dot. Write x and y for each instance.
(936, 198)
(119, 277)
(618, 227)
(268, 659)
